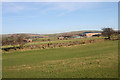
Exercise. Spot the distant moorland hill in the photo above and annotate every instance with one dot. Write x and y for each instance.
(52, 35)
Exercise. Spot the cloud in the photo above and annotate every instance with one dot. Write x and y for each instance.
(43, 8)
(67, 7)
(12, 7)
(46, 8)
(71, 6)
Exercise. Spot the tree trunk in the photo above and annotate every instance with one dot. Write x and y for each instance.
(109, 37)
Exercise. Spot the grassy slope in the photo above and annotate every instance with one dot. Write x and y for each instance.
(92, 60)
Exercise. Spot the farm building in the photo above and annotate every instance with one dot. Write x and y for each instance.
(27, 40)
(76, 36)
(81, 35)
(60, 38)
(69, 36)
(64, 37)
(92, 34)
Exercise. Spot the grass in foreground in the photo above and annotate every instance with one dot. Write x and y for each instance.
(97, 60)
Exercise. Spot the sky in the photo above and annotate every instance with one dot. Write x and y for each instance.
(57, 17)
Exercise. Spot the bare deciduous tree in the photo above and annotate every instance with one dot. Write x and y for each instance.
(108, 32)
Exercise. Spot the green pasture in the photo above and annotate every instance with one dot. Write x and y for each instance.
(44, 39)
(62, 41)
(96, 60)
(52, 40)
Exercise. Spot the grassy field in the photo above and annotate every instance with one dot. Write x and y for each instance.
(61, 41)
(96, 60)
(38, 42)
